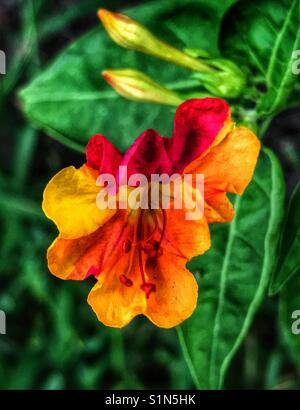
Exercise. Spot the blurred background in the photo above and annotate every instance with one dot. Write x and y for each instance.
(53, 339)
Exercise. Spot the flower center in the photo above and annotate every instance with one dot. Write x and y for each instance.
(148, 244)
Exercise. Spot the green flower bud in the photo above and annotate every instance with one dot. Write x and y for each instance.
(135, 85)
(128, 33)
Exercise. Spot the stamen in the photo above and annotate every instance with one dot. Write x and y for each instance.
(164, 225)
(141, 263)
(144, 241)
(147, 287)
(125, 281)
(153, 249)
(149, 245)
(127, 246)
(154, 229)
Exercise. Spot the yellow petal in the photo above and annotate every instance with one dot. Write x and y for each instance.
(70, 202)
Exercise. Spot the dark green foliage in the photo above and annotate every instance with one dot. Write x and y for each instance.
(54, 84)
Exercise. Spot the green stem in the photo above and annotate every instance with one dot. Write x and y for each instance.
(264, 126)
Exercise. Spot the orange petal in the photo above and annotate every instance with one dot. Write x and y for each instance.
(70, 201)
(176, 289)
(176, 292)
(114, 303)
(185, 238)
(227, 167)
(175, 296)
(218, 208)
(76, 258)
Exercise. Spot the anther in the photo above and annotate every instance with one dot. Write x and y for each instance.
(127, 246)
(153, 249)
(155, 244)
(125, 281)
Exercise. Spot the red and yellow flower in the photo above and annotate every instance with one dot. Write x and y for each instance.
(138, 256)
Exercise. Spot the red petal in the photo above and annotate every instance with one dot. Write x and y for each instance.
(102, 155)
(147, 155)
(197, 123)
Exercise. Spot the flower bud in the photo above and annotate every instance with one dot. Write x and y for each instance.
(135, 85)
(229, 81)
(128, 33)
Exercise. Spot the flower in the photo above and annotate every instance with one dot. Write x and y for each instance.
(138, 256)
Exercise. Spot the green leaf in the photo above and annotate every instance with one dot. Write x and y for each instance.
(289, 303)
(198, 24)
(289, 255)
(70, 100)
(264, 36)
(234, 276)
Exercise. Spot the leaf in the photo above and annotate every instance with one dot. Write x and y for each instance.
(289, 303)
(70, 100)
(264, 36)
(289, 255)
(236, 272)
(185, 24)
